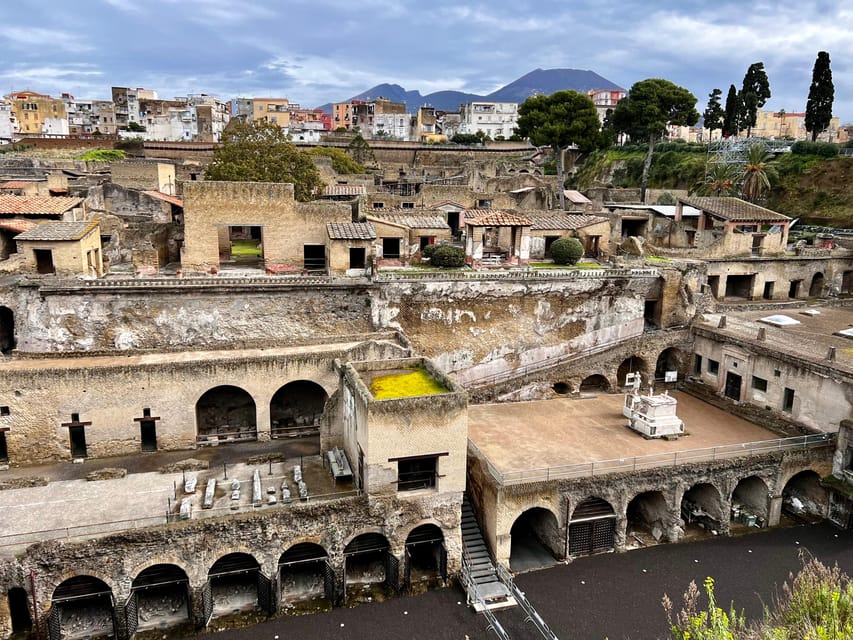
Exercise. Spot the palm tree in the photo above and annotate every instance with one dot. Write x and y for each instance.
(721, 179)
(756, 173)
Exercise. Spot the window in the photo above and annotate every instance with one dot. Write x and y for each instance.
(484, 204)
(417, 473)
(408, 205)
(788, 400)
(713, 367)
(378, 205)
(4, 411)
(759, 384)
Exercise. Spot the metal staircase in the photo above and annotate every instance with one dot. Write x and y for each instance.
(485, 589)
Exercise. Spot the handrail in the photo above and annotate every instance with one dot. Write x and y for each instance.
(537, 274)
(532, 615)
(669, 459)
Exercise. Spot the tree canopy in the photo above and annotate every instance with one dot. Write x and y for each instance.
(753, 95)
(560, 120)
(821, 96)
(731, 116)
(260, 152)
(714, 113)
(646, 111)
(342, 163)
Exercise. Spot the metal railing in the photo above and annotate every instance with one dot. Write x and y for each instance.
(531, 614)
(669, 459)
(547, 274)
(200, 281)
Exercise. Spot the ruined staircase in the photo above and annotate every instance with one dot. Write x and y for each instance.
(485, 588)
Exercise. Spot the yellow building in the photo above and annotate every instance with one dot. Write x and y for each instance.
(784, 124)
(38, 113)
(275, 110)
(62, 248)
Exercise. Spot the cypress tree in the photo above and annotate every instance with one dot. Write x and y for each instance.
(714, 112)
(731, 117)
(821, 95)
(754, 94)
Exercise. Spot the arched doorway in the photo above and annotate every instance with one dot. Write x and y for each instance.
(535, 540)
(226, 414)
(369, 567)
(561, 388)
(296, 409)
(236, 584)
(7, 330)
(634, 364)
(592, 527)
(82, 606)
(670, 359)
(804, 499)
(307, 581)
(426, 558)
(702, 509)
(19, 610)
(750, 502)
(816, 288)
(649, 519)
(159, 597)
(595, 383)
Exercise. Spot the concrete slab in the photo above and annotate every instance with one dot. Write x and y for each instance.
(548, 433)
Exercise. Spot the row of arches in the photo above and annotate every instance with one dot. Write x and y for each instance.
(306, 577)
(670, 359)
(594, 525)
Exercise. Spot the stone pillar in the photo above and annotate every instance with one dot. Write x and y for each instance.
(620, 533)
(774, 510)
(196, 607)
(503, 548)
(262, 417)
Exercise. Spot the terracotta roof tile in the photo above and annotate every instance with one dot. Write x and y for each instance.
(494, 218)
(165, 197)
(350, 231)
(413, 221)
(58, 231)
(37, 205)
(560, 222)
(734, 209)
(16, 184)
(344, 190)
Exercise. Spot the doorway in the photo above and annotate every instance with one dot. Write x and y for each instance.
(768, 290)
(4, 450)
(78, 441)
(314, 257)
(356, 257)
(794, 288)
(148, 435)
(733, 384)
(391, 248)
(44, 261)
(453, 222)
(19, 611)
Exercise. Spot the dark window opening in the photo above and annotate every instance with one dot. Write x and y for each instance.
(425, 241)
(788, 400)
(44, 261)
(314, 257)
(391, 248)
(146, 412)
(713, 367)
(4, 411)
(549, 240)
(378, 205)
(759, 384)
(408, 205)
(357, 257)
(768, 290)
(697, 364)
(75, 417)
(484, 204)
(416, 473)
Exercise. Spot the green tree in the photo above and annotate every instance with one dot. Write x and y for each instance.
(731, 116)
(714, 113)
(720, 179)
(821, 96)
(560, 120)
(260, 152)
(753, 95)
(359, 150)
(646, 111)
(566, 250)
(756, 173)
(341, 162)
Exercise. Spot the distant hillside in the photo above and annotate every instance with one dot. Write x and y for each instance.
(545, 81)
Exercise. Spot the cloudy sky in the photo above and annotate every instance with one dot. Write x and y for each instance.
(317, 51)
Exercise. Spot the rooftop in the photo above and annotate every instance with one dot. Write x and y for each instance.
(344, 190)
(412, 221)
(58, 231)
(351, 231)
(734, 209)
(37, 205)
(560, 222)
(494, 218)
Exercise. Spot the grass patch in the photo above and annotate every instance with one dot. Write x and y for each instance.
(245, 248)
(553, 265)
(414, 382)
(657, 259)
(103, 155)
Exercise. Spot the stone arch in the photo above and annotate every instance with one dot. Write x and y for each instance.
(670, 359)
(162, 593)
(425, 556)
(369, 566)
(648, 514)
(592, 527)
(234, 583)
(535, 540)
(817, 285)
(227, 413)
(87, 603)
(7, 330)
(750, 502)
(631, 364)
(702, 507)
(305, 576)
(803, 497)
(296, 408)
(595, 382)
(562, 388)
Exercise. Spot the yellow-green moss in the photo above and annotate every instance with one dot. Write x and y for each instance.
(416, 382)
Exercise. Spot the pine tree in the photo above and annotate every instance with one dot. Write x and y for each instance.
(753, 94)
(714, 113)
(731, 117)
(821, 95)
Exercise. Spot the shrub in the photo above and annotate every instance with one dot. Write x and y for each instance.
(102, 155)
(447, 255)
(806, 148)
(566, 250)
(428, 250)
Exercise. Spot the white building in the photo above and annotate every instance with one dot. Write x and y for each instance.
(492, 118)
(7, 122)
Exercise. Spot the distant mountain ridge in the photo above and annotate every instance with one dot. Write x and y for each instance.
(545, 81)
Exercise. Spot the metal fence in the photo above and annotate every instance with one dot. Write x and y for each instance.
(669, 459)
(534, 274)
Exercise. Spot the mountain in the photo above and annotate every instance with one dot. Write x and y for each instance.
(545, 81)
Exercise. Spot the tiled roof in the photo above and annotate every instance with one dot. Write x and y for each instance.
(16, 225)
(413, 221)
(576, 197)
(57, 231)
(351, 231)
(344, 190)
(37, 205)
(165, 197)
(16, 184)
(561, 222)
(734, 209)
(494, 218)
